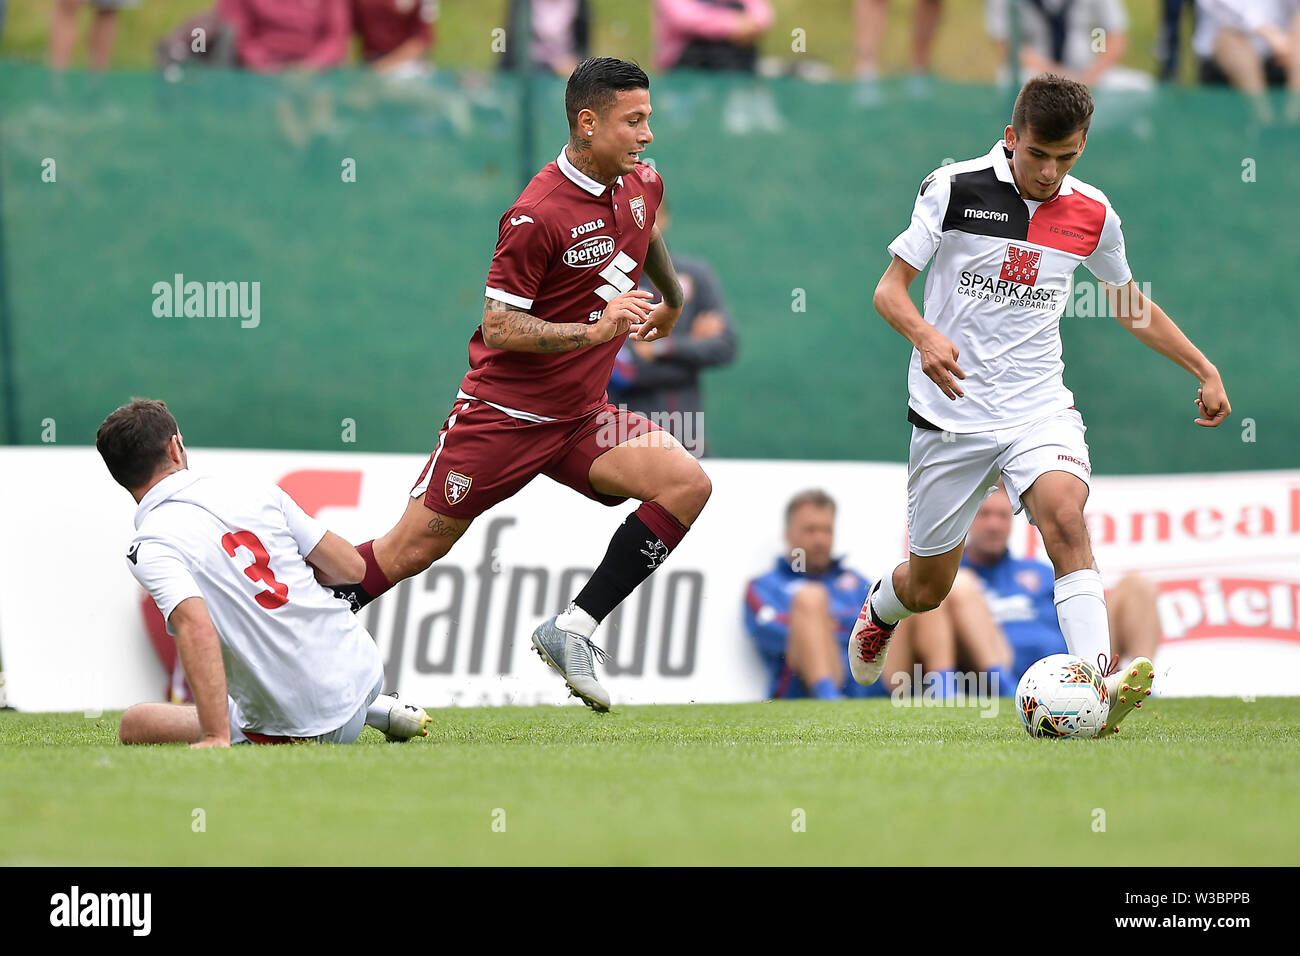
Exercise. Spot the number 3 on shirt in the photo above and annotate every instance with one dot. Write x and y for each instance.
(259, 570)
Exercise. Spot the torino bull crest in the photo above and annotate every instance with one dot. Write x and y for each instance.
(457, 486)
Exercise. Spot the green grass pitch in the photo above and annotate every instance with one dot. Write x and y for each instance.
(1190, 781)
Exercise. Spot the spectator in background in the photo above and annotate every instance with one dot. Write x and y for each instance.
(721, 36)
(103, 28)
(661, 379)
(272, 35)
(1169, 42)
(709, 34)
(932, 651)
(1252, 44)
(182, 45)
(800, 613)
(1084, 40)
(396, 35)
(1019, 593)
(560, 34)
(870, 17)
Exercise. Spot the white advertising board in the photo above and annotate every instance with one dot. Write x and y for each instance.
(1223, 549)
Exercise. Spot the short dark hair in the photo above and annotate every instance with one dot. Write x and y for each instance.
(595, 84)
(1054, 107)
(813, 496)
(133, 440)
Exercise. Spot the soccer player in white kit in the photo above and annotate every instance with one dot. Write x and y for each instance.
(1006, 232)
(239, 572)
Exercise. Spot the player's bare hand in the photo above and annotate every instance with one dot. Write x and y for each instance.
(939, 363)
(210, 740)
(659, 324)
(1212, 400)
(624, 312)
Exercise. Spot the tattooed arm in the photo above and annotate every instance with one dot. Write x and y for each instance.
(511, 329)
(659, 268)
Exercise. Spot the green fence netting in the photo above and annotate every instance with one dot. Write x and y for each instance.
(370, 289)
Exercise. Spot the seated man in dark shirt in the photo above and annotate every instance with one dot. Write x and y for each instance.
(661, 379)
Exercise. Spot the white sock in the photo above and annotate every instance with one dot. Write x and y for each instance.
(1081, 611)
(576, 621)
(377, 712)
(885, 602)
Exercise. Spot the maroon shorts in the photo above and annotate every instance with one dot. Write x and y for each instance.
(483, 456)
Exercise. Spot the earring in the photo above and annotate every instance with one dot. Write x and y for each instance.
(588, 132)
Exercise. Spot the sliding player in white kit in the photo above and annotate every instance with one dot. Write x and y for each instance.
(1006, 232)
(239, 573)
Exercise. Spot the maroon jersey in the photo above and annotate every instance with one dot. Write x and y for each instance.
(565, 249)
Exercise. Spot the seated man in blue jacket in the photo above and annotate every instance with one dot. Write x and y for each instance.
(801, 612)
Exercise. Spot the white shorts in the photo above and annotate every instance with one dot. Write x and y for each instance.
(347, 734)
(949, 475)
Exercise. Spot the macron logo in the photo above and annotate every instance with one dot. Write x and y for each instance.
(520, 220)
(102, 909)
(985, 214)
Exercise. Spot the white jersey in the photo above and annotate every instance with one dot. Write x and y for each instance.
(1002, 276)
(298, 663)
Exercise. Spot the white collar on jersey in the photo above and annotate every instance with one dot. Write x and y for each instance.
(177, 481)
(1002, 169)
(579, 177)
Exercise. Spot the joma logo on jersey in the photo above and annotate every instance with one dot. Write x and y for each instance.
(457, 486)
(1021, 265)
(985, 214)
(585, 228)
(589, 252)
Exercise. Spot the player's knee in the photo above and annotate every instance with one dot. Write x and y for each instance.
(1063, 526)
(698, 487)
(688, 491)
(130, 728)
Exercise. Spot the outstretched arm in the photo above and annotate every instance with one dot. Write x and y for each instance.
(1154, 329)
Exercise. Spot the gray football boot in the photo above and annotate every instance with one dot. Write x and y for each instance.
(571, 655)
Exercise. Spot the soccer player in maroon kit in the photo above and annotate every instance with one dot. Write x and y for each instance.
(561, 298)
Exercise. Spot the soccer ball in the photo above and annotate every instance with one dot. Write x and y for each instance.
(1062, 696)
